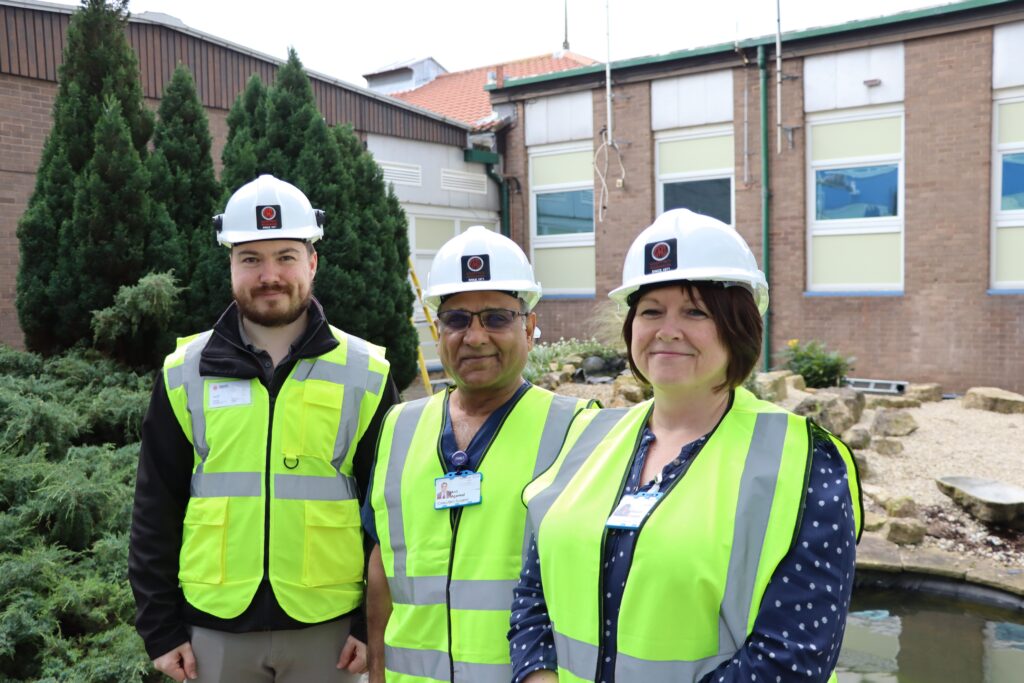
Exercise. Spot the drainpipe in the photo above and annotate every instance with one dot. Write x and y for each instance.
(490, 160)
(766, 349)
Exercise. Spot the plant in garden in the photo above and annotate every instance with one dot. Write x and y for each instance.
(818, 366)
(543, 356)
(136, 328)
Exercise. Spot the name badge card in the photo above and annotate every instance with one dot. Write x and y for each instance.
(457, 489)
(227, 394)
(632, 510)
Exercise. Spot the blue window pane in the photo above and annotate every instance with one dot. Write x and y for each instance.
(565, 213)
(864, 192)
(709, 197)
(1013, 182)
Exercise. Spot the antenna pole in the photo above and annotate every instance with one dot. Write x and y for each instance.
(565, 41)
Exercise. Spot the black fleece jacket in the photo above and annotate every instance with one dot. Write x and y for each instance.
(162, 490)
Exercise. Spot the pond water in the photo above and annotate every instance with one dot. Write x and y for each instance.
(899, 636)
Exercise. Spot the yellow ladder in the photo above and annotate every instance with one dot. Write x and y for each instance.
(424, 375)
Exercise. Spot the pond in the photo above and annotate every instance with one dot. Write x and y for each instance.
(896, 635)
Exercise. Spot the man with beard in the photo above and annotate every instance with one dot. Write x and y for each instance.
(246, 557)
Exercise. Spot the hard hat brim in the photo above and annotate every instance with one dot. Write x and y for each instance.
(229, 238)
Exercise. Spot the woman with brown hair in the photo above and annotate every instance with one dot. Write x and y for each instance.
(703, 535)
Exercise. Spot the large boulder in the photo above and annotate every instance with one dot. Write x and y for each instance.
(994, 399)
(796, 382)
(594, 365)
(924, 393)
(905, 531)
(829, 410)
(885, 401)
(863, 464)
(853, 399)
(893, 422)
(857, 437)
(903, 507)
(987, 500)
(771, 386)
(628, 389)
(884, 445)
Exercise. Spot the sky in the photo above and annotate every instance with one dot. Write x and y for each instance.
(348, 38)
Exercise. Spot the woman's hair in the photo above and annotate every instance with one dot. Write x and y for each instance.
(736, 319)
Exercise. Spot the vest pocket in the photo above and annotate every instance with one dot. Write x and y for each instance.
(333, 552)
(203, 541)
(321, 413)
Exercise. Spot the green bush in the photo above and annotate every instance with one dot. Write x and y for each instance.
(818, 366)
(543, 355)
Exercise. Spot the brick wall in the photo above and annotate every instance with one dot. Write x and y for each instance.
(25, 108)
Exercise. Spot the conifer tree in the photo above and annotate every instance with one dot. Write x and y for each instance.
(183, 180)
(98, 64)
(116, 234)
(247, 124)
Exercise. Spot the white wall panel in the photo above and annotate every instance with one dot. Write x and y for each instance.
(691, 100)
(560, 118)
(1008, 55)
(837, 80)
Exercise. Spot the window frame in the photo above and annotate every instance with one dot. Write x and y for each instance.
(876, 225)
(693, 133)
(1002, 218)
(572, 240)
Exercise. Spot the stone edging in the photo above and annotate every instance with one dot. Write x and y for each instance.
(876, 554)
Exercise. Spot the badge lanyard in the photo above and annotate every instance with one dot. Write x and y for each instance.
(634, 508)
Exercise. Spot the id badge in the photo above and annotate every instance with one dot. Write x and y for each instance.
(632, 510)
(457, 489)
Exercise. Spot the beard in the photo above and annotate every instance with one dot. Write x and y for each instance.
(273, 316)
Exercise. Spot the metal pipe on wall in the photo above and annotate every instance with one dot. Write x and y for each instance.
(766, 347)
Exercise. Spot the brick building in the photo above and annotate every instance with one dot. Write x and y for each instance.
(421, 152)
(894, 209)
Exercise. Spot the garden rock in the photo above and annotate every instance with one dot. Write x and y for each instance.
(828, 410)
(893, 422)
(594, 365)
(629, 389)
(884, 445)
(796, 382)
(857, 437)
(771, 386)
(874, 521)
(574, 359)
(994, 400)
(987, 500)
(906, 531)
(863, 463)
(853, 399)
(903, 507)
(875, 493)
(875, 401)
(925, 393)
(551, 380)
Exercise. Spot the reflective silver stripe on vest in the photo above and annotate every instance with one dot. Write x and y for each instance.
(469, 672)
(753, 508)
(577, 657)
(401, 440)
(429, 663)
(482, 594)
(593, 434)
(560, 414)
(216, 484)
(417, 590)
(356, 377)
(301, 487)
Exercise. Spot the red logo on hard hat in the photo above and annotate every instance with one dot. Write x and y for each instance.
(476, 268)
(475, 264)
(268, 217)
(661, 251)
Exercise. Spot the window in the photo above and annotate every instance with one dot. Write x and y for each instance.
(695, 170)
(855, 202)
(1008, 189)
(562, 219)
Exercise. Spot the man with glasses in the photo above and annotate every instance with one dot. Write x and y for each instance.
(445, 502)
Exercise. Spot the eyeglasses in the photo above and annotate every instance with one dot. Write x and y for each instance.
(492, 319)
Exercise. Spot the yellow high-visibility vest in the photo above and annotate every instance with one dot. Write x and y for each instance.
(291, 463)
(703, 556)
(451, 573)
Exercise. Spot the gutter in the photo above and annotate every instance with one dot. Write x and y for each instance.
(766, 347)
(490, 160)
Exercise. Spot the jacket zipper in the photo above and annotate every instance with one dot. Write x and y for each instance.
(456, 517)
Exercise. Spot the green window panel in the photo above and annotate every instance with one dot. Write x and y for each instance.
(1012, 191)
(849, 139)
(1011, 122)
(695, 155)
(857, 261)
(431, 233)
(565, 213)
(1009, 254)
(565, 268)
(556, 169)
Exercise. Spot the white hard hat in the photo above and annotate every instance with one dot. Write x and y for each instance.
(683, 245)
(481, 260)
(268, 209)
